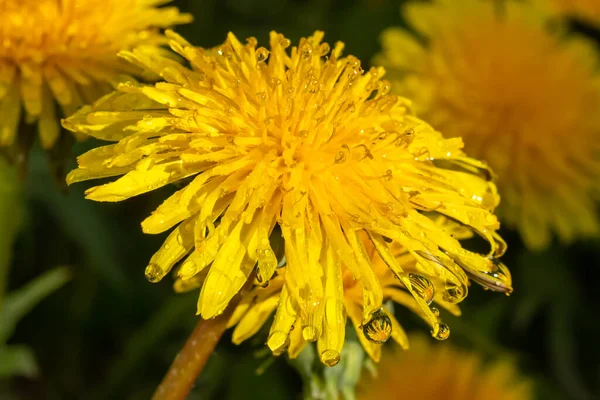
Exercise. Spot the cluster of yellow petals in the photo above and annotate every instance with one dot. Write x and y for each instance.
(302, 144)
(258, 305)
(65, 50)
(443, 372)
(523, 99)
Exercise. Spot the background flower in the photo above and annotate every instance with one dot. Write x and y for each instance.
(432, 372)
(65, 51)
(483, 75)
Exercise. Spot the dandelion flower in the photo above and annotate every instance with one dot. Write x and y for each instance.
(435, 372)
(304, 142)
(65, 51)
(523, 99)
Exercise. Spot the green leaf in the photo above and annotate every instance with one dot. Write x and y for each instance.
(17, 360)
(11, 215)
(80, 219)
(18, 303)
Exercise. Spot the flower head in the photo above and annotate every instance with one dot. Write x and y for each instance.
(484, 75)
(302, 145)
(434, 372)
(66, 50)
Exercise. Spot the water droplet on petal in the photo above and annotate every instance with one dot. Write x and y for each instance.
(423, 287)
(153, 273)
(261, 54)
(309, 333)
(330, 357)
(283, 344)
(379, 328)
(443, 332)
(435, 311)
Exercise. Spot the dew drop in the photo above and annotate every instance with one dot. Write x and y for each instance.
(443, 332)
(282, 348)
(330, 357)
(261, 54)
(284, 42)
(379, 328)
(309, 333)
(453, 294)
(435, 311)
(153, 273)
(423, 287)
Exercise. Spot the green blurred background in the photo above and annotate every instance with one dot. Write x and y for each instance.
(104, 332)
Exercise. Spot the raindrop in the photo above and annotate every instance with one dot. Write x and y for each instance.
(443, 332)
(153, 273)
(422, 286)
(261, 54)
(435, 311)
(282, 348)
(310, 334)
(284, 42)
(454, 294)
(330, 357)
(379, 328)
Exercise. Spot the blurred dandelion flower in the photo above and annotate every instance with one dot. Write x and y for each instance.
(435, 372)
(521, 98)
(305, 141)
(65, 50)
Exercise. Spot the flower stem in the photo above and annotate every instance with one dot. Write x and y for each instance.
(192, 358)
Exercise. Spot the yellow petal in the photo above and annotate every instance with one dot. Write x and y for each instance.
(254, 319)
(355, 314)
(297, 341)
(285, 316)
(137, 182)
(48, 123)
(228, 273)
(177, 245)
(332, 340)
(10, 115)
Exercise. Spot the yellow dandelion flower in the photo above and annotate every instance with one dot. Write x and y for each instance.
(442, 372)
(521, 98)
(302, 141)
(65, 50)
